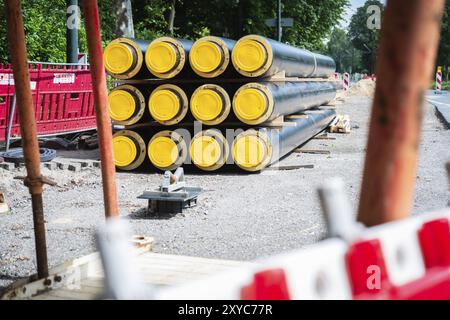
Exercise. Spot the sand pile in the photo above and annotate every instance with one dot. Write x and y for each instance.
(362, 88)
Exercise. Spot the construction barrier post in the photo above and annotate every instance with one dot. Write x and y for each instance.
(346, 81)
(439, 81)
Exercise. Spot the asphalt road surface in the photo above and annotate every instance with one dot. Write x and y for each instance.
(442, 104)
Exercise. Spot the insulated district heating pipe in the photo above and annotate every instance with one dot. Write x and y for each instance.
(255, 149)
(210, 57)
(167, 104)
(210, 104)
(209, 150)
(257, 56)
(256, 103)
(166, 57)
(167, 150)
(127, 104)
(129, 150)
(124, 58)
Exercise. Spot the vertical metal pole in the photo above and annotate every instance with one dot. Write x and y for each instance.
(279, 30)
(72, 23)
(94, 42)
(409, 41)
(18, 54)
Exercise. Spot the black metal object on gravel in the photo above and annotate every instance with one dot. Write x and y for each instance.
(16, 156)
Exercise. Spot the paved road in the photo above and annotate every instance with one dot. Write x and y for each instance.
(442, 104)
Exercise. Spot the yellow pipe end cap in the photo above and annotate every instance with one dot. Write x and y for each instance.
(163, 152)
(125, 151)
(164, 105)
(161, 57)
(250, 104)
(118, 58)
(121, 105)
(249, 55)
(205, 56)
(249, 151)
(205, 151)
(206, 105)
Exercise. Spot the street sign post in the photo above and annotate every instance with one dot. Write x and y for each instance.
(279, 24)
(285, 22)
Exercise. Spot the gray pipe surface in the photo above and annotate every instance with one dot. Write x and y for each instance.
(256, 56)
(256, 103)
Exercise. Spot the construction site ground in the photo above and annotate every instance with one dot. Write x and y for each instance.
(239, 217)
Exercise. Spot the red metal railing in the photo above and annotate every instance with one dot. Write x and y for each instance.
(62, 97)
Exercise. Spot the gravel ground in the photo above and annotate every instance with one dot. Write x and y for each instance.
(240, 216)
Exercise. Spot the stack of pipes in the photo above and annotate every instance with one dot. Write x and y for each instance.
(170, 88)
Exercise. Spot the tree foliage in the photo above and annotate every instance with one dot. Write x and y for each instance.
(340, 48)
(45, 22)
(444, 46)
(313, 19)
(363, 38)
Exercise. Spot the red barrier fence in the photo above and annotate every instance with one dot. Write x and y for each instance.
(403, 260)
(62, 97)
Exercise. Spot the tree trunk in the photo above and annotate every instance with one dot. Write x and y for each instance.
(124, 26)
(171, 18)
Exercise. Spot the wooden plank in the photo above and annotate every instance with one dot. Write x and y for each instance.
(340, 124)
(156, 269)
(93, 282)
(47, 297)
(298, 116)
(164, 257)
(292, 167)
(71, 294)
(324, 137)
(311, 151)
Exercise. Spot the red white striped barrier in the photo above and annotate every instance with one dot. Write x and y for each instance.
(406, 260)
(346, 81)
(439, 81)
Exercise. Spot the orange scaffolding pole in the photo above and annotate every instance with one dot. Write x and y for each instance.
(407, 53)
(94, 43)
(34, 180)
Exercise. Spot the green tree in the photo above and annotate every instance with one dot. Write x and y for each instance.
(364, 38)
(444, 45)
(313, 19)
(340, 48)
(46, 31)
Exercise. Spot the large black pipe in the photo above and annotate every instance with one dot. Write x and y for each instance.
(256, 56)
(128, 104)
(166, 58)
(167, 104)
(255, 149)
(256, 103)
(124, 58)
(210, 57)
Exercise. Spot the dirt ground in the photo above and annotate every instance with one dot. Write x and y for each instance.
(239, 217)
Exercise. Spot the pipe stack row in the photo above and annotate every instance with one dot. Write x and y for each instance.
(233, 88)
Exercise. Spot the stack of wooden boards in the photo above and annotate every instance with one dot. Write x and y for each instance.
(215, 101)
